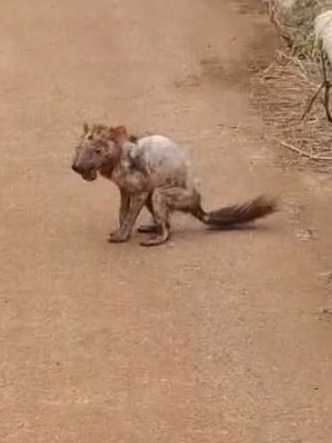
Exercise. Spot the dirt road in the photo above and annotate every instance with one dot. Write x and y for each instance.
(212, 338)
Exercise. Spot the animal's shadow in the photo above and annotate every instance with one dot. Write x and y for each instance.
(232, 228)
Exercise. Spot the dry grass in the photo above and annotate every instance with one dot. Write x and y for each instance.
(287, 87)
(297, 25)
(284, 92)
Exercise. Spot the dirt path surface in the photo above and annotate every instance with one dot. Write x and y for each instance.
(213, 338)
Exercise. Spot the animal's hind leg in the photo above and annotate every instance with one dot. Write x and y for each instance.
(182, 199)
(153, 227)
(161, 217)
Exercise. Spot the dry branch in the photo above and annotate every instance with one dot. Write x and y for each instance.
(303, 153)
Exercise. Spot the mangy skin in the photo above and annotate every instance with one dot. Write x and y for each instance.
(152, 171)
(154, 161)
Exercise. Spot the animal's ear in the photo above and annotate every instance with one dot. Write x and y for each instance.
(121, 131)
(85, 128)
(119, 135)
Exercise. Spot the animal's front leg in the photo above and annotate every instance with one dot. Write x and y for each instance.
(123, 211)
(124, 206)
(137, 201)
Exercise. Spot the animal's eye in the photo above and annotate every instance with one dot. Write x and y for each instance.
(98, 150)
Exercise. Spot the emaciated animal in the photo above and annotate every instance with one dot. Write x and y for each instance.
(152, 171)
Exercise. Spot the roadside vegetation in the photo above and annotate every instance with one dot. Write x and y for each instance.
(295, 89)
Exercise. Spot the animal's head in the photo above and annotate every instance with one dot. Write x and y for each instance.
(99, 145)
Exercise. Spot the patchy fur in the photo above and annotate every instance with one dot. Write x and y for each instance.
(152, 171)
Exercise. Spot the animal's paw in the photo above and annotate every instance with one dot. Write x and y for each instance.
(148, 229)
(155, 240)
(118, 237)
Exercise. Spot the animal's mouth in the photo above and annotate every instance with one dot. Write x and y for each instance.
(89, 175)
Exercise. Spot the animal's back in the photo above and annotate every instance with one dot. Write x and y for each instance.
(163, 159)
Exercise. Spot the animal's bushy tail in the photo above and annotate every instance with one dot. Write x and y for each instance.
(237, 214)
